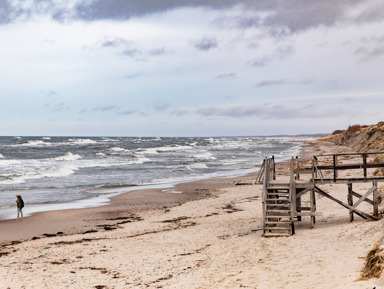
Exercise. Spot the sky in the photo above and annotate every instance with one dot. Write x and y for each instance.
(189, 67)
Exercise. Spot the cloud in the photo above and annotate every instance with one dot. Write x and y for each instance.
(133, 76)
(158, 52)
(125, 47)
(162, 106)
(128, 112)
(50, 93)
(274, 15)
(205, 43)
(179, 112)
(105, 108)
(59, 107)
(270, 82)
(226, 76)
(130, 48)
(274, 111)
(283, 81)
(260, 62)
(372, 48)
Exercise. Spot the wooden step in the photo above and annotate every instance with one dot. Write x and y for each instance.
(286, 205)
(274, 199)
(281, 222)
(278, 211)
(278, 228)
(280, 234)
(285, 188)
(278, 194)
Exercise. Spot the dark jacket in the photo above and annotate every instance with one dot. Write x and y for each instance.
(20, 202)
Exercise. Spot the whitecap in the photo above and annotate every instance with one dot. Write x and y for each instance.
(58, 171)
(68, 157)
(35, 143)
(81, 141)
(205, 155)
(197, 166)
(9, 162)
(116, 149)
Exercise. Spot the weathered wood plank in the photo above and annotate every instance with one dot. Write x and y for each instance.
(356, 211)
(360, 196)
(309, 214)
(370, 191)
(350, 201)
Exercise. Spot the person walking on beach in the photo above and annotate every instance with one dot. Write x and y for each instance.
(20, 206)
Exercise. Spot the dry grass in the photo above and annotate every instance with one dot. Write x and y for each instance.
(374, 263)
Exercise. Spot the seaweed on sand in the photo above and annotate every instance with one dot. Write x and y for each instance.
(374, 263)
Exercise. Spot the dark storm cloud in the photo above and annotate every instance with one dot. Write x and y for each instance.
(125, 9)
(280, 17)
(205, 43)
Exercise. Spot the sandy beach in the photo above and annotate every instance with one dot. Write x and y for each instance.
(208, 236)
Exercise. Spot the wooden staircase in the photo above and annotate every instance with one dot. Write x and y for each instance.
(281, 200)
(278, 217)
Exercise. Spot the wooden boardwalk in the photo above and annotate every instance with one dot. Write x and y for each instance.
(282, 199)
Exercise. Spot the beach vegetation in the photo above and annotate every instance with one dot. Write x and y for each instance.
(374, 263)
(338, 131)
(354, 128)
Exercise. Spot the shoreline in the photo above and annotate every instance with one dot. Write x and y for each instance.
(76, 220)
(79, 220)
(208, 237)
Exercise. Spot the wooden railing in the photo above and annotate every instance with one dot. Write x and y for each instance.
(327, 168)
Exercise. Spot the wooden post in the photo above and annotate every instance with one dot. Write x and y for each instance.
(375, 200)
(298, 207)
(313, 207)
(350, 201)
(365, 165)
(334, 168)
(297, 168)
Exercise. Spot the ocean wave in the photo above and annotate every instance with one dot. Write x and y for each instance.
(36, 143)
(68, 157)
(156, 150)
(9, 162)
(117, 149)
(1, 156)
(58, 171)
(204, 155)
(81, 141)
(197, 166)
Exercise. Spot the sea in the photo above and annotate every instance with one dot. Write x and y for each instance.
(52, 173)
